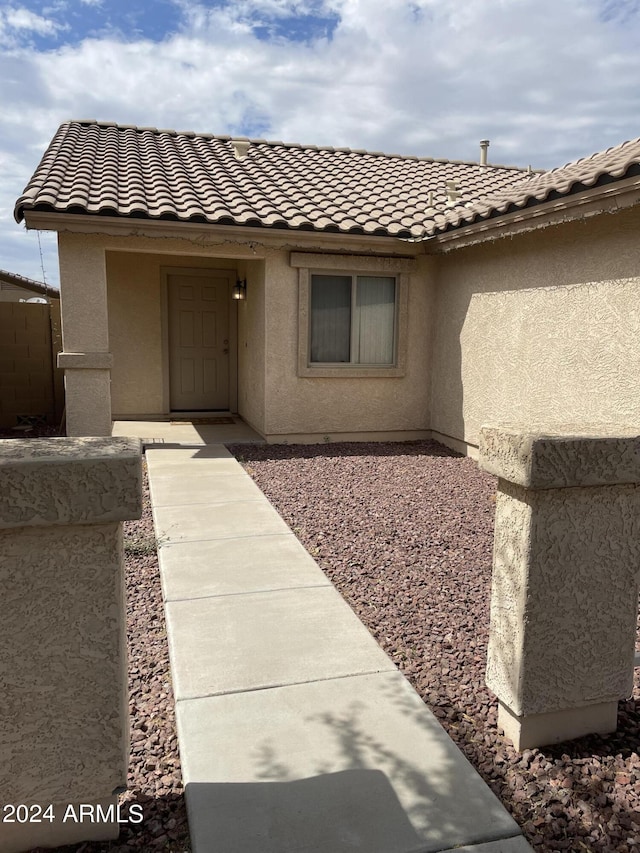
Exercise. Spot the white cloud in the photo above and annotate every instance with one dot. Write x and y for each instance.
(241, 10)
(428, 77)
(15, 22)
(24, 19)
(277, 8)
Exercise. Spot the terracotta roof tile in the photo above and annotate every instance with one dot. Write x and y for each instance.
(615, 163)
(94, 168)
(123, 170)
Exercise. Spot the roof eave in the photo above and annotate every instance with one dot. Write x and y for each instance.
(610, 198)
(29, 284)
(122, 226)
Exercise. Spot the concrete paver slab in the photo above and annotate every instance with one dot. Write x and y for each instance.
(204, 488)
(190, 462)
(232, 566)
(248, 642)
(217, 521)
(334, 766)
(182, 470)
(184, 454)
(188, 433)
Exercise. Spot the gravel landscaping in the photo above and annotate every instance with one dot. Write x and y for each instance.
(405, 533)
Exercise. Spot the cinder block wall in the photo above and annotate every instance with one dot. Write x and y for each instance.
(30, 384)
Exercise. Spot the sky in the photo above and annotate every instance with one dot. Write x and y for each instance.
(547, 81)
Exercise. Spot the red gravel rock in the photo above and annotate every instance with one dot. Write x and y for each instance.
(405, 532)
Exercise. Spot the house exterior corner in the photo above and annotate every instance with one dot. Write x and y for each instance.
(541, 327)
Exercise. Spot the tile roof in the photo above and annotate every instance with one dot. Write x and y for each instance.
(126, 171)
(614, 164)
(29, 284)
(141, 172)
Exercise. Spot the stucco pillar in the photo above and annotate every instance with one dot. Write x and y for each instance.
(85, 335)
(64, 731)
(565, 578)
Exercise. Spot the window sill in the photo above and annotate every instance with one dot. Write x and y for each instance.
(350, 371)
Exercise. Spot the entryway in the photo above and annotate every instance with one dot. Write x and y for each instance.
(201, 340)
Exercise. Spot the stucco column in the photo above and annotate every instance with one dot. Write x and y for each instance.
(64, 724)
(565, 578)
(85, 335)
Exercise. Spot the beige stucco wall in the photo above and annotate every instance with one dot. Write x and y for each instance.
(83, 293)
(542, 326)
(303, 407)
(135, 333)
(251, 345)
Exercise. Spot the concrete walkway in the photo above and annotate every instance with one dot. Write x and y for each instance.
(297, 733)
(180, 432)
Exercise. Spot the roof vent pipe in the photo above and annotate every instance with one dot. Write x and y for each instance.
(484, 146)
(453, 193)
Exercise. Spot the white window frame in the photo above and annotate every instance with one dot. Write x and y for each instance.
(351, 265)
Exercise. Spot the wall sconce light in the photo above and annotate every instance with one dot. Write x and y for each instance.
(239, 289)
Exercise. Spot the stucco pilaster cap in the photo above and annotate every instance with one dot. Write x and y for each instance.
(48, 481)
(561, 456)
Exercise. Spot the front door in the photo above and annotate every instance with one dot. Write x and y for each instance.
(198, 341)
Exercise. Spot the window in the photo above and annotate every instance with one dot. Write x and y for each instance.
(352, 319)
(353, 314)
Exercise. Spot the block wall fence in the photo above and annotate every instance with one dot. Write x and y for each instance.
(31, 385)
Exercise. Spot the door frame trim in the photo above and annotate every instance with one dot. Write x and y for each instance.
(198, 272)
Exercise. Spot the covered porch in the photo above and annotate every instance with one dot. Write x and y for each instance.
(156, 342)
(152, 333)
